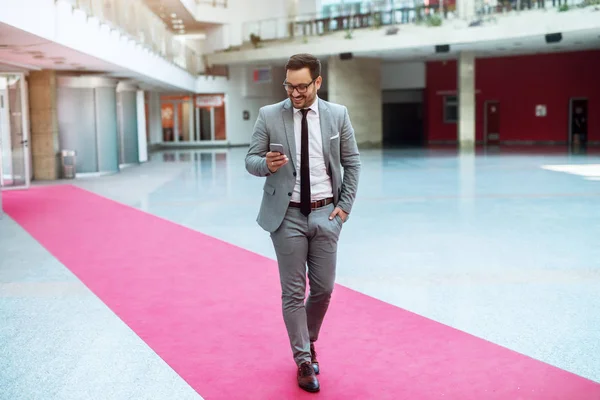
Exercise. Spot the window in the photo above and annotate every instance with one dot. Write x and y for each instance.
(450, 109)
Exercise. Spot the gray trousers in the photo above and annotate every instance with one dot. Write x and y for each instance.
(300, 242)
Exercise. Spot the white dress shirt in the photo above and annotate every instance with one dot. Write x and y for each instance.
(320, 182)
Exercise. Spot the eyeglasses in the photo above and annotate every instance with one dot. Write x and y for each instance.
(301, 88)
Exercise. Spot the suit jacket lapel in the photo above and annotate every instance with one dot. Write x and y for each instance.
(327, 130)
(288, 122)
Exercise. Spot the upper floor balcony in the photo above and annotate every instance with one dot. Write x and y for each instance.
(137, 21)
(415, 27)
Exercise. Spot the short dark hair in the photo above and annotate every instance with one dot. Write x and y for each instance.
(304, 60)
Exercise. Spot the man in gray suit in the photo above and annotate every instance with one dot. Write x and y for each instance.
(300, 146)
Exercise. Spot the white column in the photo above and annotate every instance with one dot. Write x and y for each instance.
(356, 83)
(466, 99)
(141, 124)
(5, 144)
(154, 117)
(191, 118)
(465, 9)
(292, 8)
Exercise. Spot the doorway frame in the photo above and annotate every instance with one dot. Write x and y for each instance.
(485, 127)
(570, 119)
(178, 124)
(26, 134)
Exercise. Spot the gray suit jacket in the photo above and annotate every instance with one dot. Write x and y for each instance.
(275, 124)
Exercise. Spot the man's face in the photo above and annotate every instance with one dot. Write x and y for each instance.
(303, 89)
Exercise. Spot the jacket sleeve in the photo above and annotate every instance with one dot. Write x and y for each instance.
(350, 160)
(256, 163)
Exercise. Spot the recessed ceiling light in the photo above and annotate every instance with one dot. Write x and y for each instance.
(174, 15)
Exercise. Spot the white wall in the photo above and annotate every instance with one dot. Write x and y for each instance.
(308, 7)
(208, 13)
(245, 95)
(217, 38)
(402, 75)
(58, 23)
(212, 84)
(242, 18)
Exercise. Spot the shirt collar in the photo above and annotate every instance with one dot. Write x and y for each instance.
(314, 106)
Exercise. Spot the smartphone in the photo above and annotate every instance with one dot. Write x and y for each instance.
(276, 147)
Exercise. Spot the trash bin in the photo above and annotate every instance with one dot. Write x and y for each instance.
(67, 158)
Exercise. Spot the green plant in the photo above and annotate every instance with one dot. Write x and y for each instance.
(376, 20)
(255, 40)
(563, 8)
(434, 20)
(348, 34)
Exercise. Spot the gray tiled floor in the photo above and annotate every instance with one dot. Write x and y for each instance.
(492, 244)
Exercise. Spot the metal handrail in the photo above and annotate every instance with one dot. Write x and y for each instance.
(136, 20)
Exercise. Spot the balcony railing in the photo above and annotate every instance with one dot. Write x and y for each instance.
(136, 20)
(374, 14)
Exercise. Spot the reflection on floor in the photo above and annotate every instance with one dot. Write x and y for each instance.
(498, 243)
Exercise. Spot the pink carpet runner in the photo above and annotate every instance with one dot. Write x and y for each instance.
(212, 311)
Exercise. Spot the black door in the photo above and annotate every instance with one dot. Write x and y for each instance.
(579, 121)
(403, 124)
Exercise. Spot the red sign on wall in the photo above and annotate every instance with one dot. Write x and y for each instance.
(262, 75)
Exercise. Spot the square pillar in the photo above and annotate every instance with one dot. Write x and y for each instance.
(356, 84)
(466, 99)
(44, 125)
(465, 9)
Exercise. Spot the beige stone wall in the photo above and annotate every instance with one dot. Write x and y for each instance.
(356, 83)
(44, 125)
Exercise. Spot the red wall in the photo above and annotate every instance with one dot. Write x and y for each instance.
(519, 84)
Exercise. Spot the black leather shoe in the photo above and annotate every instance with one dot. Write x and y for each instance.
(313, 356)
(307, 379)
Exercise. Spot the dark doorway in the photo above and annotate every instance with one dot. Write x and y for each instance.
(403, 124)
(578, 132)
(492, 122)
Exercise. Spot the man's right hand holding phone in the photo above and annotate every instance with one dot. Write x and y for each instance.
(276, 160)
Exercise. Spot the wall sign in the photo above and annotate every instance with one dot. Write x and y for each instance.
(209, 101)
(261, 75)
(540, 110)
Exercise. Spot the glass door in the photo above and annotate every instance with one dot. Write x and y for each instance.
(14, 132)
